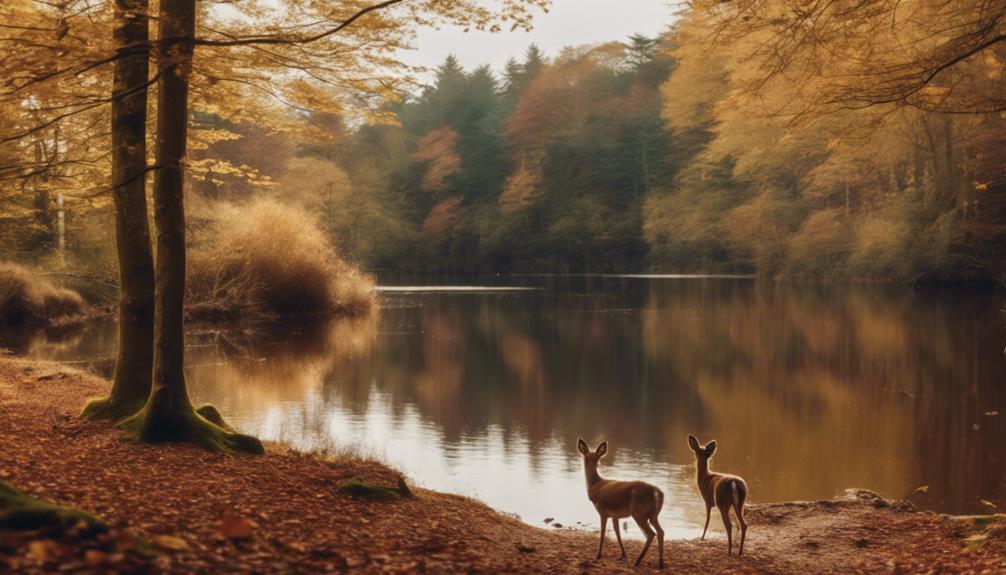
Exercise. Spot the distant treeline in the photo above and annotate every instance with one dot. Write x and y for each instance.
(723, 145)
(648, 155)
(546, 168)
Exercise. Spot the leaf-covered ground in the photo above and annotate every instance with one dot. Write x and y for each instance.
(177, 509)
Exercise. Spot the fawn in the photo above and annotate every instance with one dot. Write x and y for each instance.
(618, 499)
(722, 490)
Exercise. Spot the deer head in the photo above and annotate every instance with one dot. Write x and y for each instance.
(702, 453)
(590, 459)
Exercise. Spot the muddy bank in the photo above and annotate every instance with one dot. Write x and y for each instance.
(285, 512)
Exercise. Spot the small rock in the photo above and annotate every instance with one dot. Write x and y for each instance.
(557, 525)
(862, 542)
(549, 520)
(525, 548)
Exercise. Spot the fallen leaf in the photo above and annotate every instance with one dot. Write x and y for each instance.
(42, 551)
(236, 527)
(169, 542)
(94, 558)
(988, 504)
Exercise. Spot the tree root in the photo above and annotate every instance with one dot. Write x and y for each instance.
(185, 425)
(360, 489)
(110, 408)
(213, 415)
(19, 512)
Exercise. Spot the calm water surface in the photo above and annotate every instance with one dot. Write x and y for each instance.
(810, 389)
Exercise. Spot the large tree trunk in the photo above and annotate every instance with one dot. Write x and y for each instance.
(133, 365)
(169, 414)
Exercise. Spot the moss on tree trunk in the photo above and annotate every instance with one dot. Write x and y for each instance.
(20, 512)
(168, 415)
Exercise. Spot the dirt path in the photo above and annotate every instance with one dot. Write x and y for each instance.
(199, 509)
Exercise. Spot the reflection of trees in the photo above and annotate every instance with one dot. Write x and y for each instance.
(825, 387)
(809, 388)
(257, 372)
(68, 342)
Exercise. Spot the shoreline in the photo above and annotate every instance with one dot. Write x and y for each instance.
(297, 519)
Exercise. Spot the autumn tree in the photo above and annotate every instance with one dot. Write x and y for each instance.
(934, 56)
(51, 119)
(846, 128)
(168, 414)
(134, 361)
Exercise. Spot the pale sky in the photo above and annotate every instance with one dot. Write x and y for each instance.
(568, 23)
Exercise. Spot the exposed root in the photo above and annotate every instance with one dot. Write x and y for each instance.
(184, 425)
(19, 512)
(109, 408)
(213, 415)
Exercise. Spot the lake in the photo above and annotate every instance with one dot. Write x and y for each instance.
(481, 386)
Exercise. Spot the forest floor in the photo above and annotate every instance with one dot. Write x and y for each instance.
(282, 512)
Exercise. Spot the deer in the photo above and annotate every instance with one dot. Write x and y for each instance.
(619, 499)
(720, 490)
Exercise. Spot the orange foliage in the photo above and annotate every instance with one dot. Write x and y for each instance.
(444, 218)
(438, 148)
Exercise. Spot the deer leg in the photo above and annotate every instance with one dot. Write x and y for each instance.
(739, 509)
(709, 510)
(618, 535)
(660, 538)
(725, 512)
(645, 528)
(604, 526)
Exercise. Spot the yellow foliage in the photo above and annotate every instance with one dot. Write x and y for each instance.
(521, 188)
(821, 243)
(878, 245)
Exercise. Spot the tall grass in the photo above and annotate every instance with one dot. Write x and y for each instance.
(27, 298)
(267, 261)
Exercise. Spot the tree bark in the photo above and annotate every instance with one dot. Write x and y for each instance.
(169, 414)
(177, 19)
(134, 362)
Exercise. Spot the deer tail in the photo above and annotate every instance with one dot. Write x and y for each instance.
(733, 487)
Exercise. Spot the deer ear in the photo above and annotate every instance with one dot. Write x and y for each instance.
(602, 449)
(581, 446)
(711, 447)
(693, 443)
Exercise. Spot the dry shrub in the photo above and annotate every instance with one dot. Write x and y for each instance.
(27, 298)
(268, 261)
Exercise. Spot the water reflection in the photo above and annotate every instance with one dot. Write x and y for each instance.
(809, 389)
